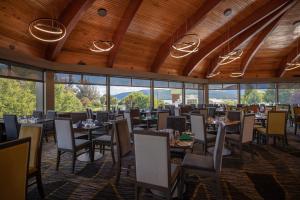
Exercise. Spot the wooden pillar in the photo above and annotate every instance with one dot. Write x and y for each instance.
(183, 93)
(206, 98)
(151, 94)
(107, 93)
(239, 93)
(49, 91)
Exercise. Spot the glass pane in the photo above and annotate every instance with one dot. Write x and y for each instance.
(215, 86)
(223, 97)
(191, 96)
(19, 97)
(26, 73)
(75, 78)
(258, 96)
(175, 85)
(201, 96)
(289, 96)
(161, 84)
(201, 86)
(3, 69)
(230, 86)
(289, 86)
(124, 97)
(120, 81)
(78, 97)
(266, 86)
(163, 96)
(62, 78)
(247, 86)
(140, 82)
(97, 80)
(191, 85)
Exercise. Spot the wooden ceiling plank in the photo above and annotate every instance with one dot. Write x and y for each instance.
(193, 20)
(119, 33)
(237, 29)
(69, 17)
(247, 34)
(293, 55)
(254, 47)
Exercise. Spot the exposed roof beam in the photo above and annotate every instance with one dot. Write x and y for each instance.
(253, 30)
(69, 17)
(254, 47)
(255, 17)
(193, 20)
(290, 57)
(119, 33)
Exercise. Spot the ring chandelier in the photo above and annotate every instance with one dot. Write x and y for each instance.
(99, 46)
(187, 45)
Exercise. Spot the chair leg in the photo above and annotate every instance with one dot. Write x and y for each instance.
(73, 162)
(219, 187)
(118, 170)
(169, 195)
(112, 153)
(92, 152)
(46, 136)
(40, 184)
(54, 137)
(181, 184)
(137, 192)
(58, 159)
(296, 126)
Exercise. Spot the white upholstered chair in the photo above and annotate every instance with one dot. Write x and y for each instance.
(152, 160)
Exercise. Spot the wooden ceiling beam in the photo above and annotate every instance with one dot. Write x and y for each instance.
(193, 20)
(263, 12)
(69, 17)
(119, 33)
(254, 47)
(290, 57)
(244, 36)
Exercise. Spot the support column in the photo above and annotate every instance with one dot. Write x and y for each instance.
(239, 93)
(108, 93)
(183, 93)
(206, 98)
(276, 93)
(151, 94)
(49, 91)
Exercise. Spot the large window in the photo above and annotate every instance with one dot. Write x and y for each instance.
(126, 93)
(258, 93)
(223, 94)
(193, 93)
(75, 92)
(167, 93)
(21, 90)
(289, 93)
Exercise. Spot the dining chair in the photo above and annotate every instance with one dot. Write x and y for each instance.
(107, 140)
(269, 108)
(11, 126)
(245, 137)
(157, 173)
(49, 126)
(208, 166)
(38, 114)
(233, 115)
(162, 120)
(67, 143)
(296, 112)
(125, 157)
(128, 119)
(276, 126)
(14, 159)
(89, 113)
(34, 131)
(211, 111)
(177, 123)
(198, 129)
(102, 116)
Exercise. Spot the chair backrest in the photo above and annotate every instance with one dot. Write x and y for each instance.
(102, 116)
(176, 111)
(269, 108)
(176, 123)
(51, 114)
(33, 131)
(162, 120)
(277, 122)
(218, 150)
(11, 126)
(247, 128)
(14, 159)
(89, 113)
(135, 112)
(234, 115)
(129, 123)
(122, 138)
(37, 114)
(64, 134)
(198, 127)
(78, 117)
(152, 167)
(211, 111)
(119, 117)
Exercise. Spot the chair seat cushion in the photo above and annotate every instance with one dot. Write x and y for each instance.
(234, 137)
(81, 143)
(198, 162)
(103, 139)
(262, 130)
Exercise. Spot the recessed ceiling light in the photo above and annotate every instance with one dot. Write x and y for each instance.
(102, 12)
(227, 12)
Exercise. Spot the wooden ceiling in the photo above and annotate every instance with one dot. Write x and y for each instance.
(143, 31)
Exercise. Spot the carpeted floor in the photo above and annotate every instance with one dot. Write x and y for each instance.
(274, 173)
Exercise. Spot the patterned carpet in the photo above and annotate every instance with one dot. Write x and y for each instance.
(274, 173)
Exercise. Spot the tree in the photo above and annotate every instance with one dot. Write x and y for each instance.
(252, 97)
(66, 100)
(269, 96)
(17, 97)
(136, 99)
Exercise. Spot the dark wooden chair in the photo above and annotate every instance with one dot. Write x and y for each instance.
(12, 127)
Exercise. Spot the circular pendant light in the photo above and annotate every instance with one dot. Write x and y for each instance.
(47, 30)
(187, 45)
(236, 74)
(292, 66)
(213, 75)
(230, 57)
(101, 46)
